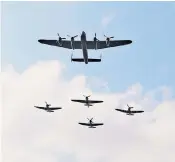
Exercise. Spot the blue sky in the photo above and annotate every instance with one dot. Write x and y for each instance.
(149, 60)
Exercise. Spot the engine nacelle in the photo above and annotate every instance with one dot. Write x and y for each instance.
(72, 43)
(107, 42)
(59, 41)
(95, 42)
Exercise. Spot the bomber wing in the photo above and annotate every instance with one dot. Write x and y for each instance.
(82, 101)
(64, 43)
(102, 44)
(40, 107)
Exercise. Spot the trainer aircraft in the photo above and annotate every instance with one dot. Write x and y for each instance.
(91, 124)
(84, 45)
(87, 102)
(129, 111)
(48, 108)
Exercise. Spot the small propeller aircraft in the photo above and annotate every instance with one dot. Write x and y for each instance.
(129, 111)
(87, 102)
(48, 108)
(91, 124)
(84, 45)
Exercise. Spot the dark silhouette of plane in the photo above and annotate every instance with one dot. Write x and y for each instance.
(91, 124)
(87, 102)
(84, 45)
(48, 108)
(129, 111)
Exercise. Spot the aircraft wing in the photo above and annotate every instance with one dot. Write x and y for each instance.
(96, 124)
(138, 111)
(102, 44)
(40, 107)
(93, 101)
(86, 124)
(121, 110)
(82, 101)
(65, 43)
(54, 108)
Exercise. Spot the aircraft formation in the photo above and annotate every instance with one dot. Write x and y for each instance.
(84, 45)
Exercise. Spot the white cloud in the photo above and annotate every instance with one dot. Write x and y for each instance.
(106, 20)
(97, 83)
(30, 134)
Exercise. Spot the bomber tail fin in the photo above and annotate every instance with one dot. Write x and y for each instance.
(82, 60)
(77, 59)
(94, 60)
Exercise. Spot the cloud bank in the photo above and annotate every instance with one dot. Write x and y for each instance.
(30, 134)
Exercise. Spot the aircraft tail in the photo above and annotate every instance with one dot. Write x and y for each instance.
(130, 114)
(50, 111)
(82, 60)
(77, 59)
(88, 104)
(94, 60)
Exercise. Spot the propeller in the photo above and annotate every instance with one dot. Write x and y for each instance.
(60, 38)
(90, 120)
(108, 38)
(129, 106)
(72, 38)
(47, 104)
(95, 38)
(87, 96)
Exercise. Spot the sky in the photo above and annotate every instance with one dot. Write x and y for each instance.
(140, 74)
(149, 60)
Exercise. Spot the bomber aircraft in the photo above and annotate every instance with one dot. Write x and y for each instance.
(48, 108)
(84, 45)
(87, 102)
(129, 111)
(91, 124)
